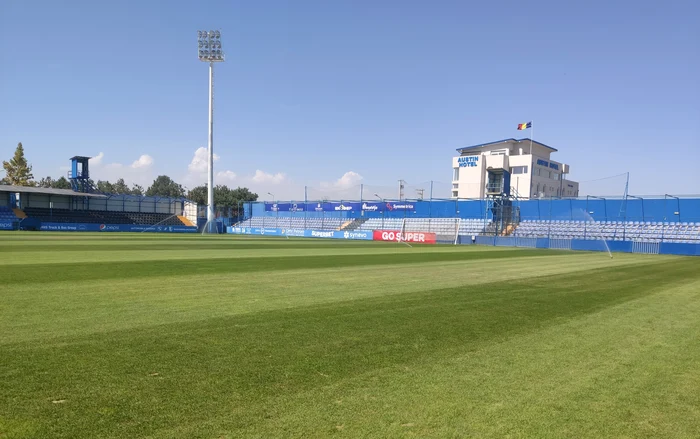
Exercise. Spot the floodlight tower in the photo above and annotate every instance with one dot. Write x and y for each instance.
(210, 51)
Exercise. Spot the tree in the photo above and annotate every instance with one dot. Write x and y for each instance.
(137, 189)
(17, 171)
(46, 182)
(164, 186)
(105, 186)
(61, 183)
(224, 197)
(121, 188)
(198, 195)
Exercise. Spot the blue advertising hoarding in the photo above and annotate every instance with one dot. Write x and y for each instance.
(79, 227)
(367, 206)
(7, 225)
(301, 233)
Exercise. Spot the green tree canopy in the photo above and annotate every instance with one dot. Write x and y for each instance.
(105, 186)
(61, 183)
(137, 189)
(48, 182)
(224, 197)
(17, 171)
(164, 186)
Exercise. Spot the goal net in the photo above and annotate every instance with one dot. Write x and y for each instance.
(213, 228)
(430, 230)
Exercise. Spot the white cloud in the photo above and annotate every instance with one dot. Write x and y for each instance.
(200, 161)
(97, 160)
(145, 161)
(349, 179)
(139, 171)
(264, 177)
(226, 175)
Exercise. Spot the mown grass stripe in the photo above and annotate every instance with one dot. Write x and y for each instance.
(47, 273)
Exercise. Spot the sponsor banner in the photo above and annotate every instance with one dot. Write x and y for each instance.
(355, 234)
(285, 207)
(313, 207)
(6, 225)
(373, 207)
(321, 233)
(396, 236)
(400, 206)
(77, 227)
(367, 206)
(265, 231)
(294, 232)
(300, 233)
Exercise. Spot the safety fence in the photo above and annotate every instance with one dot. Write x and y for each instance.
(656, 248)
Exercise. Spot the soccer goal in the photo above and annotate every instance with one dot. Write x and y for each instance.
(430, 230)
(213, 228)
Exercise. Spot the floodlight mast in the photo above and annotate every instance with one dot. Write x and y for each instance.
(209, 50)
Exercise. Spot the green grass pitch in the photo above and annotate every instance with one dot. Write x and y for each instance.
(156, 336)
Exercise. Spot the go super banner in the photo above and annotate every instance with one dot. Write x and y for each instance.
(397, 236)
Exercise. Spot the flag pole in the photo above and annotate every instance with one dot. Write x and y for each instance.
(532, 129)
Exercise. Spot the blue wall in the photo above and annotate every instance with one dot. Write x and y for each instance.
(652, 209)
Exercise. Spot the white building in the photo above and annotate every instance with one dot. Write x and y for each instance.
(524, 167)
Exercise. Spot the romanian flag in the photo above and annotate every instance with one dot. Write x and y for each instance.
(522, 126)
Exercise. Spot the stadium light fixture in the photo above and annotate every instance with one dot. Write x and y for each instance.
(209, 50)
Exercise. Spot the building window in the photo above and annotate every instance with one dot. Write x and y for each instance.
(455, 186)
(518, 170)
(455, 176)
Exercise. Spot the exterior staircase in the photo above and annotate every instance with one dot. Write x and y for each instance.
(19, 213)
(353, 225)
(185, 221)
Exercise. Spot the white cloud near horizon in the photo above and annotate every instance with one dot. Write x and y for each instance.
(145, 161)
(138, 172)
(265, 177)
(200, 161)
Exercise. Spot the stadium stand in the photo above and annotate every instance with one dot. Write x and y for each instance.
(294, 223)
(7, 214)
(611, 230)
(101, 217)
(440, 226)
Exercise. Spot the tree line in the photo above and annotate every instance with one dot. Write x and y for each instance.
(18, 172)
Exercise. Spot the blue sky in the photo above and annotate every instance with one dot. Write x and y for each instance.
(334, 94)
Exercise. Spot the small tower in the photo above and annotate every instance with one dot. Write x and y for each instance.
(79, 175)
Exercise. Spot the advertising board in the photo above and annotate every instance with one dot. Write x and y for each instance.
(80, 227)
(412, 237)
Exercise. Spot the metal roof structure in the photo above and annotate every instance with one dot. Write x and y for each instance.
(466, 148)
(47, 191)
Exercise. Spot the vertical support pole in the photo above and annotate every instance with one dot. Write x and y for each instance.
(210, 174)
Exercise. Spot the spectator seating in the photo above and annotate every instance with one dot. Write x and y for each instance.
(7, 215)
(440, 226)
(294, 223)
(688, 232)
(101, 217)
